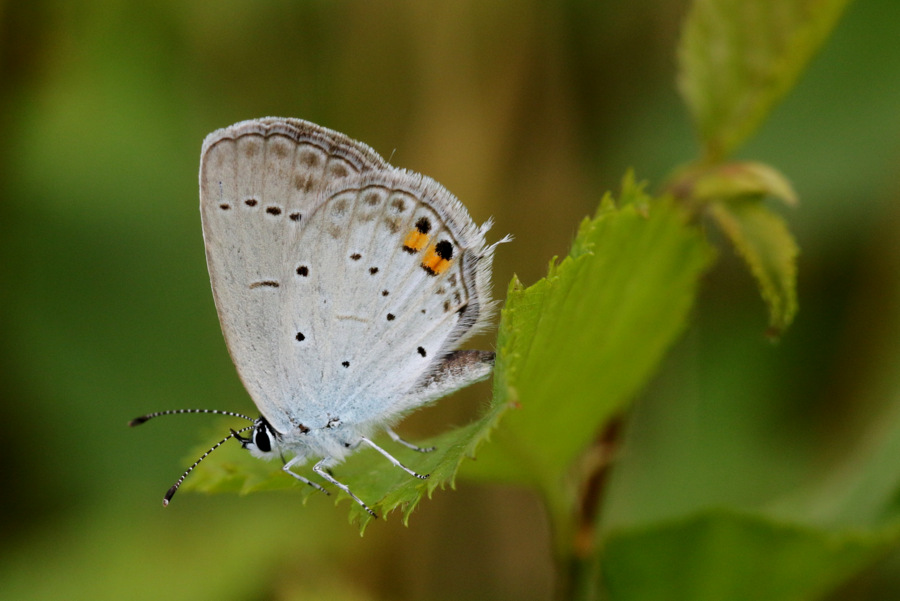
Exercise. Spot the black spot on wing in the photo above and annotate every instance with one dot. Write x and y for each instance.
(444, 249)
(423, 225)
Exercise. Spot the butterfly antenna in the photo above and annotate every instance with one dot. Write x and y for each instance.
(171, 492)
(140, 420)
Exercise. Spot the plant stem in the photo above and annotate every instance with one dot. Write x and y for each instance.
(575, 519)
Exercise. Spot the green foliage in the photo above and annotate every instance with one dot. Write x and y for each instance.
(717, 467)
(737, 59)
(576, 346)
(765, 243)
(732, 195)
(728, 555)
(798, 547)
(737, 179)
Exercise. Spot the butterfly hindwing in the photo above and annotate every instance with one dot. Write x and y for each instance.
(382, 300)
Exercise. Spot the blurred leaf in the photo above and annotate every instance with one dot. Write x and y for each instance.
(737, 59)
(863, 490)
(703, 183)
(85, 556)
(765, 243)
(726, 555)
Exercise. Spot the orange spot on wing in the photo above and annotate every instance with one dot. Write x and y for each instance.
(415, 241)
(433, 263)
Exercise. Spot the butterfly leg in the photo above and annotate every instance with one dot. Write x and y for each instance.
(396, 438)
(392, 459)
(321, 469)
(287, 468)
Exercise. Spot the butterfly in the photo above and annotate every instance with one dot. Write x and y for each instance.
(343, 286)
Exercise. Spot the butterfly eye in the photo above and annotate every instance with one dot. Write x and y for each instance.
(261, 439)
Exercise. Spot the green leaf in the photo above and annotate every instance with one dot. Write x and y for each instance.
(822, 526)
(738, 58)
(368, 474)
(703, 183)
(575, 347)
(722, 554)
(863, 489)
(765, 243)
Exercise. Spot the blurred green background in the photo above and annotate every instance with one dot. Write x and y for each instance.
(527, 111)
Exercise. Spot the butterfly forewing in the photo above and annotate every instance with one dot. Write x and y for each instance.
(259, 180)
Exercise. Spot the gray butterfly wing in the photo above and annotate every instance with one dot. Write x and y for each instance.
(341, 283)
(259, 181)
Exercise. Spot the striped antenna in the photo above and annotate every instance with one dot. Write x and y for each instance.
(234, 434)
(140, 420)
